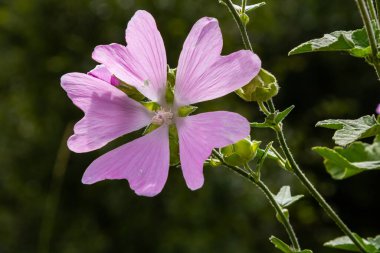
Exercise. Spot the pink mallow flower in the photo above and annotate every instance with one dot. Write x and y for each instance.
(202, 74)
(378, 109)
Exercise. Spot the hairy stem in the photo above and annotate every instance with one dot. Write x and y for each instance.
(239, 23)
(264, 188)
(243, 5)
(372, 12)
(297, 170)
(313, 191)
(370, 33)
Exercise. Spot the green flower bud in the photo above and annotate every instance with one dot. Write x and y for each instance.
(241, 152)
(261, 88)
(244, 18)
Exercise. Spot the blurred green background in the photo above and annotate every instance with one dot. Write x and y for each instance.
(40, 40)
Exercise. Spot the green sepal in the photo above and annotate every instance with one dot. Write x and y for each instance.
(150, 128)
(260, 89)
(241, 152)
(283, 247)
(358, 157)
(213, 162)
(371, 245)
(348, 131)
(186, 110)
(353, 42)
(151, 106)
(169, 95)
(173, 145)
(131, 91)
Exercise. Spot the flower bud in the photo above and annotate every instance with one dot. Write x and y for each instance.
(241, 152)
(244, 18)
(261, 88)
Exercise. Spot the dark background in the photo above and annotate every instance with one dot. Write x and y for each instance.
(40, 40)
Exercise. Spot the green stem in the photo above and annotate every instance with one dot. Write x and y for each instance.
(243, 5)
(52, 200)
(313, 191)
(263, 108)
(372, 12)
(317, 196)
(370, 33)
(262, 186)
(242, 27)
(378, 10)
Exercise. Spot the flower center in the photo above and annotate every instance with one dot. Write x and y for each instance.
(163, 116)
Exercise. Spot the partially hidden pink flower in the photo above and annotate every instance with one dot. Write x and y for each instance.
(202, 74)
(378, 109)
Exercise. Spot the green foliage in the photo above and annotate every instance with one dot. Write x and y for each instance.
(353, 42)
(284, 197)
(371, 245)
(349, 131)
(279, 244)
(261, 88)
(342, 163)
(273, 119)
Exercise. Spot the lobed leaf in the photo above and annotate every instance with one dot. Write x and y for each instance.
(349, 131)
(371, 244)
(353, 42)
(342, 163)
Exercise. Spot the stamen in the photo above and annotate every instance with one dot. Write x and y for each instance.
(163, 117)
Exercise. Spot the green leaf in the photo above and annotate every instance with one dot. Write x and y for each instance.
(285, 247)
(353, 42)
(349, 131)
(280, 245)
(248, 7)
(371, 244)
(284, 197)
(342, 163)
(282, 115)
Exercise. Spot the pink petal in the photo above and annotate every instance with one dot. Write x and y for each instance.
(101, 72)
(142, 63)
(200, 133)
(144, 162)
(378, 109)
(109, 113)
(203, 74)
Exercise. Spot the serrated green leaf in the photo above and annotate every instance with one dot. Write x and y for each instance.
(282, 115)
(345, 243)
(349, 131)
(353, 42)
(284, 197)
(342, 163)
